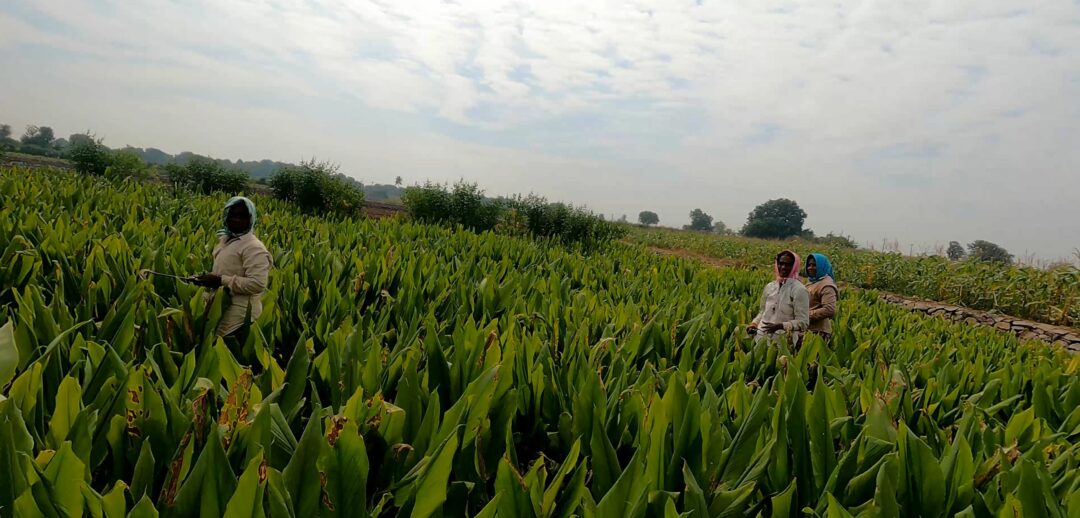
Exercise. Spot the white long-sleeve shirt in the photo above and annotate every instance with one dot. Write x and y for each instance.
(787, 304)
(244, 266)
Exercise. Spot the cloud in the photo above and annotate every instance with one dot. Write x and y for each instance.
(879, 117)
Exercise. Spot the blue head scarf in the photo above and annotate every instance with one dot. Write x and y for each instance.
(824, 267)
(224, 231)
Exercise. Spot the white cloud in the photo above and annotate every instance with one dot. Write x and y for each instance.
(665, 105)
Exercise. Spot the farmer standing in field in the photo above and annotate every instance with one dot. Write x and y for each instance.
(785, 304)
(823, 294)
(241, 265)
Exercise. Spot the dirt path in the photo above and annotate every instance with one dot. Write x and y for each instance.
(1066, 337)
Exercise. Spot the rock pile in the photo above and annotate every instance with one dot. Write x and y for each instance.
(1024, 329)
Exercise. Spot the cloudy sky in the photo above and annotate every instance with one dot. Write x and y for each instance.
(916, 120)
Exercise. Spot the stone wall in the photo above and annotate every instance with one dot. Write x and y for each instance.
(1024, 329)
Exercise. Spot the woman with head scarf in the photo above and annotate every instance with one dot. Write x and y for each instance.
(785, 304)
(823, 294)
(241, 265)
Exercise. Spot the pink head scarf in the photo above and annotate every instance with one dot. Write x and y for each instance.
(794, 268)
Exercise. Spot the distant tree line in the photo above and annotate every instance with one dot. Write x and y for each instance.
(41, 141)
(784, 219)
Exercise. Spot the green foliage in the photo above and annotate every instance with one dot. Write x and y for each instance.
(988, 252)
(417, 370)
(956, 251)
(466, 205)
(125, 164)
(699, 220)
(648, 217)
(38, 136)
(720, 228)
(89, 155)
(205, 176)
(775, 219)
(317, 188)
(832, 240)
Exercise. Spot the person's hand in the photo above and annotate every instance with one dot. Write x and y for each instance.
(771, 327)
(208, 280)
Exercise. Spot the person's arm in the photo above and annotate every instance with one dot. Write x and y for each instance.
(827, 309)
(802, 313)
(256, 263)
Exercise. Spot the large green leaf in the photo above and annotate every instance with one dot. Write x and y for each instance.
(247, 500)
(211, 482)
(431, 491)
(344, 466)
(9, 354)
(301, 476)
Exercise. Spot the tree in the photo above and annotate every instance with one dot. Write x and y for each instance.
(699, 221)
(648, 217)
(40, 136)
(6, 142)
(720, 228)
(989, 252)
(398, 181)
(956, 251)
(775, 219)
(89, 154)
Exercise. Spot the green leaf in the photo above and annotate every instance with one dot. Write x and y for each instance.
(9, 354)
(247, 500)
(553, 488)
(784, 503)
(144, 509)
(65, 474)
(114, 503)
(210, 483)
(16, 448)
(301, 476)
(925, 482)
(887, 484)
(432, 485)
(621, 499)
(694, 497)
(345, 466)
(143, 478)
(1019, 424)
(1030, 492)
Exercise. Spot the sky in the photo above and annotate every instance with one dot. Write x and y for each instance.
(917, 121)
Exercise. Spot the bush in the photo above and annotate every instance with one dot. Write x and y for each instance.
(317, 188)
(204, 175)
(466, 205)
(837, 241)
(126, 164)
(90, 156)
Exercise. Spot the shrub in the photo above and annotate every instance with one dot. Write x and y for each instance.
(204, 175)
(127, 164)
(837, 241)
(90, 156)
(317, 188)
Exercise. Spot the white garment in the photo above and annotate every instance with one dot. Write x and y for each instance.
(787, 304)
(244, 266)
